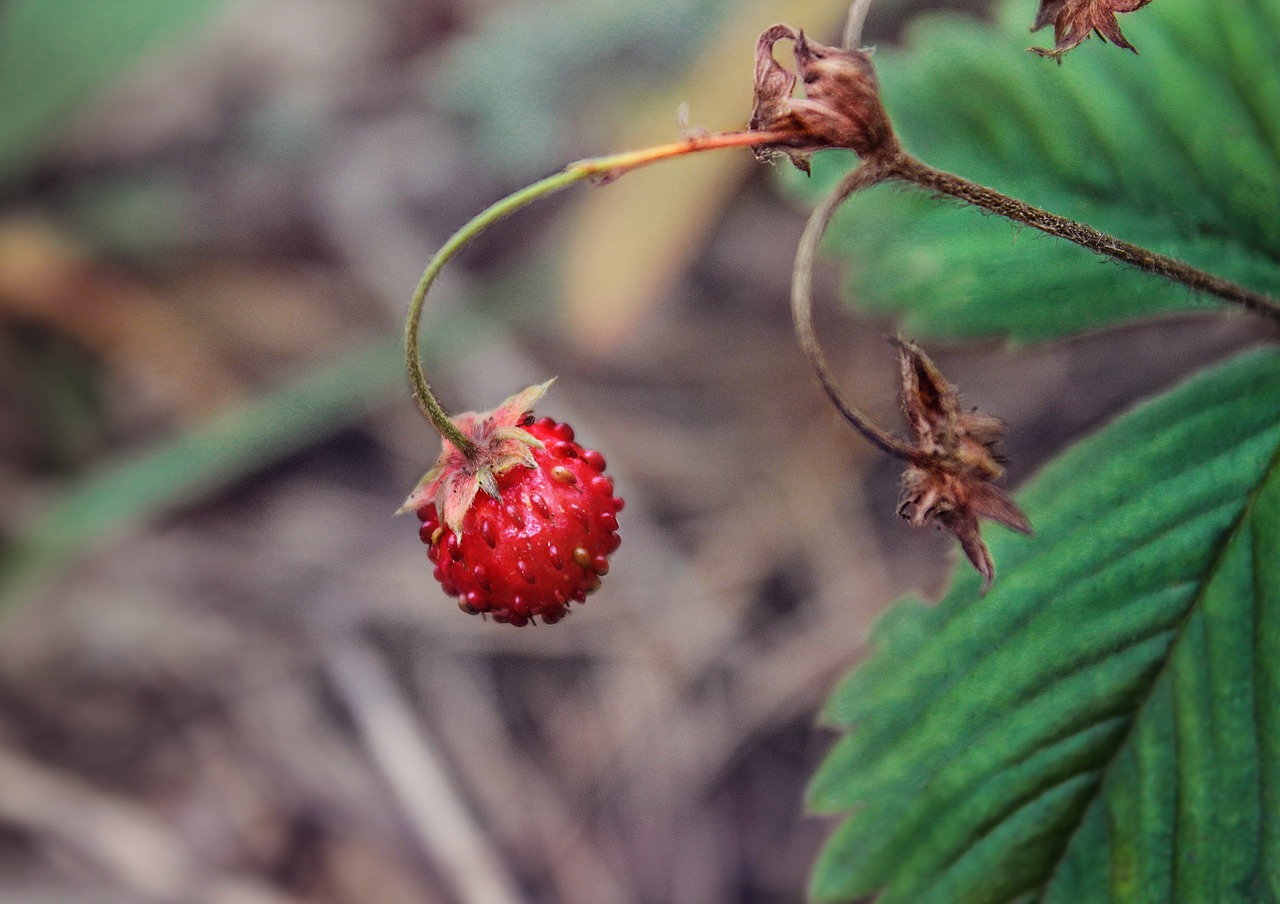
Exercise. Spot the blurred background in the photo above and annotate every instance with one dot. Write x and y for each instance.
(226, 674)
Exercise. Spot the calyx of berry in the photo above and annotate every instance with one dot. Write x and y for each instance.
(949, 480)
(501, 443)
(841, 107)
(1073, 20)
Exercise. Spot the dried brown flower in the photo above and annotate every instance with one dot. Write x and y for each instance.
(950, 478)
(841, 106)
(1073, 20)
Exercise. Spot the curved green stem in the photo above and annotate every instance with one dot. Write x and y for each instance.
(598, 168)
(426, 400)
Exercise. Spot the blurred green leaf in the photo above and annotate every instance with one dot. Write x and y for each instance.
(182, 468)
(133, 215)
(1103, 725)
(55, 54)
(1177, 149)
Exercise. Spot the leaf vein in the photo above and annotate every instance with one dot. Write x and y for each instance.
(1245, 513)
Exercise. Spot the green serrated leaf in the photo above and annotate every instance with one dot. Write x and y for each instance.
(55, 54)
(1103, 725)
(1177, 150)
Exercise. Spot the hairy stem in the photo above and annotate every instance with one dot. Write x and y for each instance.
(597, 168)
(867, 174)
(906, 168)
(894, 164)
(422, 393)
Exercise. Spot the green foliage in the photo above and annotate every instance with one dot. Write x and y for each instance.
(1177, 149)
(55, 54)
(1103, 725)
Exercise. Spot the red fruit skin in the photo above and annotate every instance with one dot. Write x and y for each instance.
(544, 543)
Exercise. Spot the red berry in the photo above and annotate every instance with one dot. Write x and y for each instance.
(542, 542)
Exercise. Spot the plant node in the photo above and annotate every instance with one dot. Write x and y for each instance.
(841, 106)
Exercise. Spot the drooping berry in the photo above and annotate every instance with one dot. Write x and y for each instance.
(540, 535)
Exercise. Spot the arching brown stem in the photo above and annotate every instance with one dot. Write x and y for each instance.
(869, 173)
(903, 167)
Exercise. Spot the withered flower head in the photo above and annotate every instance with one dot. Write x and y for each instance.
(1073, 20)
(950, 478)
(841, 106)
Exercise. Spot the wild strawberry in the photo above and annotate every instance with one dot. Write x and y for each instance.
(541, 533)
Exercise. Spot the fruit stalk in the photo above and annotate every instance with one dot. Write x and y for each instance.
(601, 169)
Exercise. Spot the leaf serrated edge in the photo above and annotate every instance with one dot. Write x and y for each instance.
(1269, 473)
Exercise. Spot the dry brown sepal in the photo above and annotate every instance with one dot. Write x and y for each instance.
(841, 106)
(950, 478)
(1073, 20)
(501, 443)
